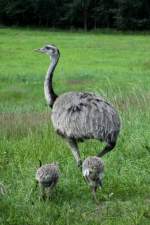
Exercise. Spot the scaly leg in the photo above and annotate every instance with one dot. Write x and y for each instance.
(107, 149)
(75, 151)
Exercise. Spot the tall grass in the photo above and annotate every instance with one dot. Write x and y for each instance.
(116, 66)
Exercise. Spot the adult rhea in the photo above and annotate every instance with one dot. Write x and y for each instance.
(77, 116)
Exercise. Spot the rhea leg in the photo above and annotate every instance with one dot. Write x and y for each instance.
(75, 151)
(107, 149)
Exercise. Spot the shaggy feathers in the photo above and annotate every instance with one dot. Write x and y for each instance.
(81, 115)
(92, 170)
(47, 176)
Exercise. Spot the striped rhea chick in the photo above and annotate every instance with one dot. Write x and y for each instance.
(2, 189)
(47, 177)
(93, 169)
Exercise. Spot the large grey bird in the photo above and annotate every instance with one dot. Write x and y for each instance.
(93, 170)
(77, 116)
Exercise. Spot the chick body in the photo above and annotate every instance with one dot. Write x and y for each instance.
(92, 170)
(47, 176)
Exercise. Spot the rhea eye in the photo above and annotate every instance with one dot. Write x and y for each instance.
(47, 47)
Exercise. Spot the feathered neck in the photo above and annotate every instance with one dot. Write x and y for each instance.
(50, 95)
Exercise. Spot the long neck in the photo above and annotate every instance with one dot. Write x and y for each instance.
(50, 95)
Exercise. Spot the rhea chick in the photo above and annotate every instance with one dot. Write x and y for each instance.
(93, 169)
(47, 176)
(2, 189)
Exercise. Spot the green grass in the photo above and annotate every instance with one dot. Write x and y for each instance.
(116, 66)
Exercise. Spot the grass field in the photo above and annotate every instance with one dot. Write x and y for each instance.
(114, 65)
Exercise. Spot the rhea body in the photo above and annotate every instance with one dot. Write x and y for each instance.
(93, 170)
(47, 177)
(77, 116)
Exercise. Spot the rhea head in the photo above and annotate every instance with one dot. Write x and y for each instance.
(50, 50)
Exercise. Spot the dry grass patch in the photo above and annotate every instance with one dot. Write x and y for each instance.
(18, 125)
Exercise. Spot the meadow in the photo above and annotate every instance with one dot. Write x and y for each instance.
(114, 65)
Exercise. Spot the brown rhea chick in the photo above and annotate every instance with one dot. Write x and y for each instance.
(93, 170)
(2, 189)
(47, 177)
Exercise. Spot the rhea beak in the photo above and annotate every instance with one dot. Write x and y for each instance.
(39, 50)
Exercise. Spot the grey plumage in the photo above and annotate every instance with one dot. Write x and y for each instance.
(47, 176)
(77, 116)
(92, 170)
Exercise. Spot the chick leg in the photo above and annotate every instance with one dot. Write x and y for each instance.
(93, 189)
(49, 193)
(42, 192)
